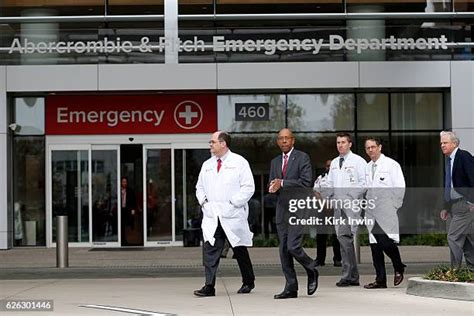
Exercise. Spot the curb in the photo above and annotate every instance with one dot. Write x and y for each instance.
(441, 289)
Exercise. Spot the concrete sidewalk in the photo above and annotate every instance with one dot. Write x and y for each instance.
(174, 296)
(161, 281)
(40, 263)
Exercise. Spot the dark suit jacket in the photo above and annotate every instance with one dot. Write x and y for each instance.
(131, 200)
(463, 174)
(298, 175)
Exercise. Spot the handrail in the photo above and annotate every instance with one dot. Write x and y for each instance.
(237, 17)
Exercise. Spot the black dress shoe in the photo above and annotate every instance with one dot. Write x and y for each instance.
(319, 264)
(375, 285)
(286, 294)
(337, 263)
(246, 288)
(206, 290)
(397, 278)
(312, 281)
(345, 283)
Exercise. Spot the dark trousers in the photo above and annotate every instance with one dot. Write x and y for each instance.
(212, 255)
(290, 247)
(321, 242)
(384, 245)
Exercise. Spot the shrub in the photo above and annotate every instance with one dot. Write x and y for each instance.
(446, 273)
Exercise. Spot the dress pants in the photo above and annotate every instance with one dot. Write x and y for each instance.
(321, 241)
(384, 245)
(461, 234)
(290, 238)
(345, 236)
(212, 255)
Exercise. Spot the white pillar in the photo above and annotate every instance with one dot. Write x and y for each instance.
(39, 32)
(366, 29)
(5, 218)
(171, 31)
(462, 102)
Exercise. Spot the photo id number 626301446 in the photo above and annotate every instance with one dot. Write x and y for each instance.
(17, 305)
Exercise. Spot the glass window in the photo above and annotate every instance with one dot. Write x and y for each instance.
(278, 6)
(321, 112)
(196, 7)
(29, 191)
(251, 113)
(463, 6)
(319, 146)
(29, 116)
(104, 196)
(372, 111)
(188, 164)
(417, 111)
(125, 7)
(70, 192)
(367, 6)
(50, 8)
(420, 157)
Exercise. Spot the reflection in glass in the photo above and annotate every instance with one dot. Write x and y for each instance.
(372, 111)
(321, 112)
(29, 116)
(158, 195)
(104, 196)
(227, 116)
(70, 192)
(28, 191)
(417, 111)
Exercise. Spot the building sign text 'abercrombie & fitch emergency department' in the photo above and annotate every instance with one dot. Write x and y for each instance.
(221, 44)
(130, 114)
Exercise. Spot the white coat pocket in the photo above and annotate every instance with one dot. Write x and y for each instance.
(230, 211)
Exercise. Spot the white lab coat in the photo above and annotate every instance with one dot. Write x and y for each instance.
(346, 183)
(386, 189)
(227, 193)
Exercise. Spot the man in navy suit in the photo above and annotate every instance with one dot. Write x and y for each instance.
(459, 199)
(291, 170)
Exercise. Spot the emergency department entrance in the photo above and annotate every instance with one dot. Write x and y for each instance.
(124, 167)
(86, 182)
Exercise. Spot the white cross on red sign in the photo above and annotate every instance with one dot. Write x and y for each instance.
(188, 114)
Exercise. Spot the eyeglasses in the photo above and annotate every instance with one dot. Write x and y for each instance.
(281, 138)
(214, 142)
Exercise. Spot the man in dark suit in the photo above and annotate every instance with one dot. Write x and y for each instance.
(459, 199)
(289, 171)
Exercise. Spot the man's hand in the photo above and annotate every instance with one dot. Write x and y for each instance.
(444, 215)
(275, 185)
(133, 212)
(471, 207)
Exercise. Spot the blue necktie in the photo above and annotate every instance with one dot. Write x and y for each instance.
(447, 179)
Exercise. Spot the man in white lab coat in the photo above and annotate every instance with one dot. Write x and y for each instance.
(346, 183)
(386, 189)
(224, 187)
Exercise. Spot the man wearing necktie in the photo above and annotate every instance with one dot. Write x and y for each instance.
(224, 187)
(386, 189)
(291, 170)
(346, 182)
(459, 199)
